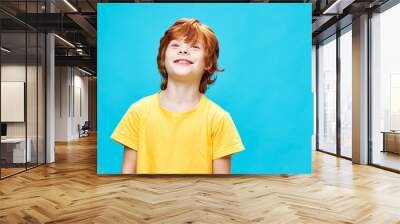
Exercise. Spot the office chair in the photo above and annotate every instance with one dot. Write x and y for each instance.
(84, 130)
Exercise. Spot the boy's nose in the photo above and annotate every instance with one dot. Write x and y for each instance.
(184, 51)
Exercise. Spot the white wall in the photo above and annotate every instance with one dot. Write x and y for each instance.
(12, 73)
(62, 81)
(80, 102)
(15, 72)
(71, 94)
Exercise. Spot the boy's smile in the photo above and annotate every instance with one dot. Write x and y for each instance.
(185, 60)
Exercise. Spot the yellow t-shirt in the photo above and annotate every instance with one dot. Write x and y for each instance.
(177, 142)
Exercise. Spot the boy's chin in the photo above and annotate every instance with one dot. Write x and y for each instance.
(182, 73)
(182, 76)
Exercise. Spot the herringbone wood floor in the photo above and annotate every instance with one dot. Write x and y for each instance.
(70, 191)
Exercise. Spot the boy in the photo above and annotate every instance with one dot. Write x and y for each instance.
(179, 130)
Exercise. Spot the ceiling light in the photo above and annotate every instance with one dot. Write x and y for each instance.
(84, 71)
(337, 7)
(64, 40)
(5, 50)
(70, 5)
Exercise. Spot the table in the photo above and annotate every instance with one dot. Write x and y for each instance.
(17, 150)
(391, 141)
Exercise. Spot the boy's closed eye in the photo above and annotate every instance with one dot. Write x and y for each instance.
(196, 46)
(175, 45)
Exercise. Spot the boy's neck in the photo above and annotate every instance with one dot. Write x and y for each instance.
(181, 93)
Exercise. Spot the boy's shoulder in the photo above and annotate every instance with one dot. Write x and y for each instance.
(144, 103)
(215, 110)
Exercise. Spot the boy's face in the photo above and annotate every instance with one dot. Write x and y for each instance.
(185, 61)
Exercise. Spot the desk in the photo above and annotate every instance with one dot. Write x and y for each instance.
(17, 150)
(391, 141)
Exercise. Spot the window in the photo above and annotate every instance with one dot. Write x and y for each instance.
(385, 88)
(346, 92)
(327, 95)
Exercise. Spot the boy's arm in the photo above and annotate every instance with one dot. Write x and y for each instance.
(129, 162)
(222, 165)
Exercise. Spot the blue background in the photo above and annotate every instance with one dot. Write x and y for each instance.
(266, 87)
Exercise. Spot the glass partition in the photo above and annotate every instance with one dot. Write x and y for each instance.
(13, 103)
(22, 89)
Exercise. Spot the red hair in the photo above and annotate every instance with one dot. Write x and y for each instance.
(192, 31)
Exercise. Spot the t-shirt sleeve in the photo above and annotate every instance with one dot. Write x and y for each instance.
(225, 138)
(126, 132)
